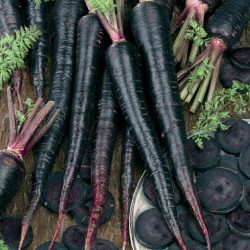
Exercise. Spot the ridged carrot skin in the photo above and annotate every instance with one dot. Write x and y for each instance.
(149, 24)
(89, 61)
(39, 55)
(126, 182)
(168, 5)
(128, 6)
(123, 63)
(66, 16)
(229, 21)
(103, 152)
(10, 16)
(212, 4)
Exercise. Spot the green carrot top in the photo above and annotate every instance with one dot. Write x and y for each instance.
(215, 111)
(13, 50)
(3, 245)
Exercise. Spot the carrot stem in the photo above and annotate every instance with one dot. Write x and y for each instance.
(198, 60)
(42, 131)
(193, 53)
(12, 118)
(183, 81)
(182, 33)
(192, 92)
(32, 114)
(185, 54)
(184, 92)
(195, 48)
(18, 82)
(195, 105)
(214, 78)
(204, 86)
(25, 136)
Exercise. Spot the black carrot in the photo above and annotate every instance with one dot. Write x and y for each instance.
(12, 169)
(89, 60)
(168, 5)
(37, 16)
(103, 152)
(148, 18)
(66, 16)
(123, 63)
(128, 6)
(126, 183)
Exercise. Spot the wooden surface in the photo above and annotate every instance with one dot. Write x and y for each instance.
(44, 220)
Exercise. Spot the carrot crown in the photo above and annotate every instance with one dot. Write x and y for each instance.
(25, 132)
(110, 13)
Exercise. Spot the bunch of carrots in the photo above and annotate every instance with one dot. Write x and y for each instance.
(124, 53)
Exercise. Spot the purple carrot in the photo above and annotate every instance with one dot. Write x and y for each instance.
(64, 40)
(12, 169)
(126, 183)
(89, 59)
(103, 152)
(147, 20)
(123, 63)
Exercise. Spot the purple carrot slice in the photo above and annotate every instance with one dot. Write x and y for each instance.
(151, 230)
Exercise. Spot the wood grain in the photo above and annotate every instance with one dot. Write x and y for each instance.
(44, 221)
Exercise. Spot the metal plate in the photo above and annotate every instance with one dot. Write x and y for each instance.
(138, 205)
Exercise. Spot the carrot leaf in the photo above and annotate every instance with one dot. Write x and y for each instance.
(104, 7)
(197, 34)
(29, 105)
(3, 245)
(13, 50)
(215, 111)
(110, 13)
(22, 116)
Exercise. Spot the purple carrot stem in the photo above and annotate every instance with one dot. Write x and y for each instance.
(179, 20)
(25, 136)
(114, 35)
(42, 131)
(12, 118)
(191, 5)
(32, 114)
(18, 82)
